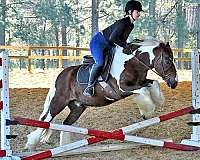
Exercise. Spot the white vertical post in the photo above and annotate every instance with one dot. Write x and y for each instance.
(195, 95)
(5, 113)
(195, 136)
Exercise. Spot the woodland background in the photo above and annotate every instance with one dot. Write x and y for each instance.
(73, 22)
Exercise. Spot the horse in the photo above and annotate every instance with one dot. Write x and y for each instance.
(127, 75)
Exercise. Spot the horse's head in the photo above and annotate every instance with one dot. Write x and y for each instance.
(164, 65)
(161, 58)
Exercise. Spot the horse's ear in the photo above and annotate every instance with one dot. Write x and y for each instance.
(162, 45)
(167, 44)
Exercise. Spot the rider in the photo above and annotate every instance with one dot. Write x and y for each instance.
(116, 34)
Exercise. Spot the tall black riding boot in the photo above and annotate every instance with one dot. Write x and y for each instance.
(94, 74)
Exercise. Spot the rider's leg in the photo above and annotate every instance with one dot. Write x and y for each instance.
(94, 74)
(96, 46)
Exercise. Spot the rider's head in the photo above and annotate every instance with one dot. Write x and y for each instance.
(133, 8)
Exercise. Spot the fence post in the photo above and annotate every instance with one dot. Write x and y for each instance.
(60, 58)
(29, 60)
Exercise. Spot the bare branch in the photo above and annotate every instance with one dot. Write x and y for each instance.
(166, 15)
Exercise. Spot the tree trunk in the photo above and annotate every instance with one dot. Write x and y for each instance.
(77, 32)
(2, 22)
(64, 43)
(43, 43)
(95, 16)
(64, 39)
(56, 52)
(152, 26)
(198, 25)
(180, 29)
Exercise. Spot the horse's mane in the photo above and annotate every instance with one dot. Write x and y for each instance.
(147, 41)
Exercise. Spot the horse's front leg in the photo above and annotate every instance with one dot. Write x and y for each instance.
(149, 98)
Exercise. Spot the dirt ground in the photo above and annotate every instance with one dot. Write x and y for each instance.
(28, 92)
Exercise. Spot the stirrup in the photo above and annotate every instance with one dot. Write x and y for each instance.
(89, 91)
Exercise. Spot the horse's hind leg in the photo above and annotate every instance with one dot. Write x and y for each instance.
(35, 136)
(76, 109)
(55, 105)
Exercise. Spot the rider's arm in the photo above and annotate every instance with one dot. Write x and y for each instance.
(116, 34)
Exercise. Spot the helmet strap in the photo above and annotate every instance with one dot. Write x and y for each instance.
(126, 14)
(130, 13)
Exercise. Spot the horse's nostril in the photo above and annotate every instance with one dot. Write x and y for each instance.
(172, 84)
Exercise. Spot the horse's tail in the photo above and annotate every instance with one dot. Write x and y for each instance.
(48, 99)
(41, 134)
(44, 116)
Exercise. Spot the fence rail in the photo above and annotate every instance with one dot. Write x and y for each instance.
(29, 56)
(60, 57)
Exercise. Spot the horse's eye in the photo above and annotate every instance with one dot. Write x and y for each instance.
(168, 62)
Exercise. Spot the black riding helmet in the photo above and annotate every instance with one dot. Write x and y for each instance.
(133, 5)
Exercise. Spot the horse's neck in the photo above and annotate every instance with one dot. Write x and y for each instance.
(118, 64)
(149, 50)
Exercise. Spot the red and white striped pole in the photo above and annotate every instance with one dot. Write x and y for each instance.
(127, 129)
(102, 135)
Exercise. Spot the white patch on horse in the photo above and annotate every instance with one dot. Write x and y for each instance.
(145, 103)
(148, 49)
(48, 99)
(110, 99)
(118, 63)
(120, 58)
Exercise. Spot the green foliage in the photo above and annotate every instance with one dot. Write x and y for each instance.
(40, 22)
(35, 22)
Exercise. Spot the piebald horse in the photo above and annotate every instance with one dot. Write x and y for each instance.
(128, 74)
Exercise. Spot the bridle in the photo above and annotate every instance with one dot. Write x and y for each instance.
(164, 76)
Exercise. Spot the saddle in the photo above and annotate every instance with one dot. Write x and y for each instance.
(84, 71)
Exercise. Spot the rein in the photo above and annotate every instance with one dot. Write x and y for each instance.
(164, 76)
(146, 66)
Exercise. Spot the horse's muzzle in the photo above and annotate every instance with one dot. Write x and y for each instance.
(172, 83)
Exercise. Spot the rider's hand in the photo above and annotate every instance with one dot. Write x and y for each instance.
(127, 49)
(137, 40)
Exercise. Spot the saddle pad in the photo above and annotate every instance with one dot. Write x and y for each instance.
(84, 71)
(83, 74)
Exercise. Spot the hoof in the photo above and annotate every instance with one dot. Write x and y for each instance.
(144, 117)
(30, 147)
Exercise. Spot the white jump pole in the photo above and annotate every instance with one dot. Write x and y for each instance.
(195, 136)
(5, 152)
